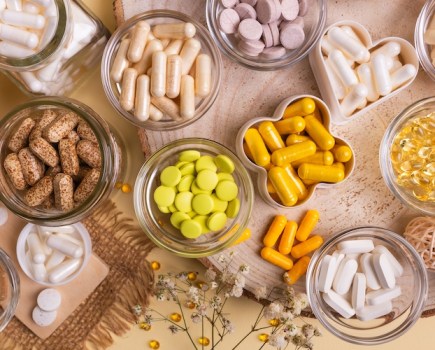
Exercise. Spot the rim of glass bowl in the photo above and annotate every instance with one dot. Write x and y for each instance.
(107, 177)
(143, 196)
(426, 13)
(391, 238)
(14, 288)
(386, 167)
(255, 63)
(110, 87)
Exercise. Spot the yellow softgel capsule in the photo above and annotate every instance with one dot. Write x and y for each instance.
(301, 108)
(288, 237)
(294, 152)
(342, 153)
(155, 265)
(257, 147)
(270, 136)
(291, 125)
(295, 138)
(321, 173)
(275, 230)
(263, 337)
(281, 181)
(175, 316)
(297, 271)
(276, 258)
(320, 157)
(204, 341)
(307, 225)
(298, 186)
(306, 247)
(319, 133)
(145, 326)
(154, 344)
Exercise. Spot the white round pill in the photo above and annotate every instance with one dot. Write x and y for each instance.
(43, 318)
(49, 300)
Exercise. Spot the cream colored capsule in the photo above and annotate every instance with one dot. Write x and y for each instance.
(158, 74)
(138, 42)
(203, 75)
(188, 54)
(128, 89)
(167, 106)
(180, 30)
(187, 97)
(173, 76)
(145, 62)
(165, 43)
(142, 100)
(120, 62)
(155, 113)
(174, 47)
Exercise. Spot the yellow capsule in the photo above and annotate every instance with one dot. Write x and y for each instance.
(301, 108)
(275, 230)
(307, 225)
(268, 166)
(320, 157)
(274, 322)
(281, 181)
(290, 125)
(145, 326)
(176, 317)
(263, 337)
(319, 133)
(191, 276)
(155, 265)
(294, 138)
(288, 238)
(247, 151)
(342, 153)
(294, 152)
(306, 247)
(270, 187)
(154, 344)
(270, 136)
(204, 341)
(297, 271)
(321, 173)
(246, 234)
(276, 258)
(339, 165)
(257, 147)
(298, 186)
(309, 182)
(190, 305)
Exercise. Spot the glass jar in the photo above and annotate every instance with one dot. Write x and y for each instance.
(71, 43)
(103, 184)
(424, 50)
(9, 289)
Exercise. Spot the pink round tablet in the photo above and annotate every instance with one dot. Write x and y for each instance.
(304, 5)
(292, 36)
(267, 11)
(245, 11)
(229, 3)
(249, 2)
(267, 35)
(289, 9)
(275, 32)
(229, 21)
(250, 30)
(251, 48)
(272, 53)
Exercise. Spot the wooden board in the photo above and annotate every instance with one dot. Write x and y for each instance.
(363, 199)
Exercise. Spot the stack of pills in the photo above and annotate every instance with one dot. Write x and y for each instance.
(265, 27)
(289, 232)
(429, 38)
(199, 191)
(161, 70)
(359, 278)
(308, 147)
(48, 302)
(359, 76)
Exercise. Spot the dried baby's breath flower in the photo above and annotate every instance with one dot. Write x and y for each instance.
(196, 318)
(308, 330)
(210, 275)
(277, 340)
(260, 293)
(174, 329)
(244, 269)
(298, 340)
(274, 310)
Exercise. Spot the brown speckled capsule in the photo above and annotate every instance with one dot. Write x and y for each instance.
(85, 132)
(20, 137)
(60, 127)
(48, 203)
(37, 194)
(89, 152)
(33, 168)
(63, 192)
(84, 169)
(15, 172)
(68, 157)
(47, 117)
(87, 185)
(53, 171)
(73, 136)
(44, 151)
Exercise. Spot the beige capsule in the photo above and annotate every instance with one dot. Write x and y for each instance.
(60, 127)
(87, 186)
(44, 151)
(47, 117)
(84, 169)
(155, 113)
(165, 43)
(139, 36)
(187, 97)
(128, 89)
(142, 102)
(63, 188)
(120, 63)
(37, 194)
(158, 74)
(89, 152)
(174, 47)
(145, 62)
(68, 157)
(73, 136)
(188, 54)
(167, 106)
(173, 76)
(180, 30)
(13, 168)
(20, 137)
(33, 168)
(53, 171)
(48, 203)
(203, 75)
(85, 132)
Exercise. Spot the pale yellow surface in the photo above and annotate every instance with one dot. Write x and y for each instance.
(241, 311)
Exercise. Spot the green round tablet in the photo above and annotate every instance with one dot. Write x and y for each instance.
(218, 204)
(233, 208)
(164, 196)
(183, 201)
(207, 180)
(225, 176)
(177, 218)
(189, 155)
(217, 221)
(170, 176)
(202, 204)
(196, 190)
(164, 209)
(205, 162)
(224, 163)
(172, 208)
(191, 228)
(227, 190)
(185, 183)
(202, 220)
(187, 169)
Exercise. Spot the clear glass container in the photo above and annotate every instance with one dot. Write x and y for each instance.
(109, 170)
(157, 225)
(407, 308)
(314, 22)
(76, 46)
(424, 50)
(9, 289)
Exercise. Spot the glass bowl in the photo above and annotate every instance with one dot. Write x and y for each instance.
(314, 23)
(407, 308)
(9, 289)
(423, 50)
(157, 225)
(153, 17)
(409, 169)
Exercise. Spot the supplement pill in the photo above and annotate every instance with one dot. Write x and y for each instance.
(275, 230)
(306, 247)
(276, 258)
(307, 225)
(297, 271)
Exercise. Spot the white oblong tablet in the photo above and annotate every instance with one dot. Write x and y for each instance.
(49, 300)
(384, 271)
(358, 291)
(368, 270)
(371, 312)
(327, 272)
(356, 246)
(43, 318)
(395, 264)
(339, 304)
(381, 296)
(344, 276)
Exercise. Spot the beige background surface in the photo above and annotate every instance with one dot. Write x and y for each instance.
(242, 311)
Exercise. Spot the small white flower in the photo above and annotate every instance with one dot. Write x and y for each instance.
(240, 281)
(291, 330)
(137, 310)
(260, 293)
(303, 300)
(244, 269)
(193, 294)
(277, 340)
(202, 309)
(228, 325)
(236, 291)
(210, 275)
(274, 310)
(286, 316)
(308, 330)
(213, 285)
(174, 329)
(196, 318)
(299, 340)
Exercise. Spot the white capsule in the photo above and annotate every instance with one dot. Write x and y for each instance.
(49, 300)
(384, 271)
(31, 81)
(65, 246)
(49, 30)
(395, 264)
(403, 75)
(35, 248)
(120, 63)
(337, 85)
(38, 271)
(328, 267)
(354, 99)
(15, 51)
(396, 65)
(3, 215)
(203, 75)
(66, 229)
(142, 102)
(174, 47)
(365, 76)
(43, 3)
(371, 312)
(15, 5)
(343, 70)
(383, 295)
(146, 60)
(349, 31)
(173, 76)
(351, 47)
(2, 5)
(139, 38)
(158, 74)
(50, 71)
(30, 8)
(390, 49)
(180, 30)
(358, 291)
(339, 304)
(128, 89)
(22, 19)
(188, 54)
(326, 45)
(367, 268)
(70, 238)
(43, 318)
(344, 276)
(155, 113)
(51, 9)
(381, 75)
(357, 246)
(187, 97)
(64, 270)
(55, 259)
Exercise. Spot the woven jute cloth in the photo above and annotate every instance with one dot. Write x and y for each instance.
(123, 247)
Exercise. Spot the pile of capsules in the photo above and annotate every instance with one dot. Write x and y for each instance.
(154, 68)
(429, 38)
(359, 76)
(289, 231)
(308, 146)
(368, 293)
(48, 303)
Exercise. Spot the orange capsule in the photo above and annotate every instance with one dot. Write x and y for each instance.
(270, 136)
(294, 152)
(306, 247)
(320, 157)
(281, 181)
(298, 186)
(307, 225)
(321, 173)
(301, 108)
(319, 133)
(288, 238)
(257, 147)
(276, 258)
(297, 271)
(290, 125)
(275, 230)
(342, 153)
(294, 138)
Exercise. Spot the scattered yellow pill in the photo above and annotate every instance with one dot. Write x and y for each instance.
(288, 238)
(297, 271)
(307, 225)
(276, 258)
(275, 230)
(306, 247)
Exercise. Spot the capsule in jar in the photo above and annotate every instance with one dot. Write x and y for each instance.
(63, 192)
(87, 185)
(142, 102)
(281, 181)
(60, 127)
(13, 168)
(145, 62)
(20, 137)
(173, 76)
(188, 54)
(120, 63)
(320, 157)
(48, 116)
(187, 97)
(37, 194)
(33, 169)
(139, 38)
(89, 152)
(167, 106)
(294, 152)
(128, 89)
(44, 151)
(85, 132)
(68, 157)
(182, 30)
(158, 74)
(295, 182)
(203, 75)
